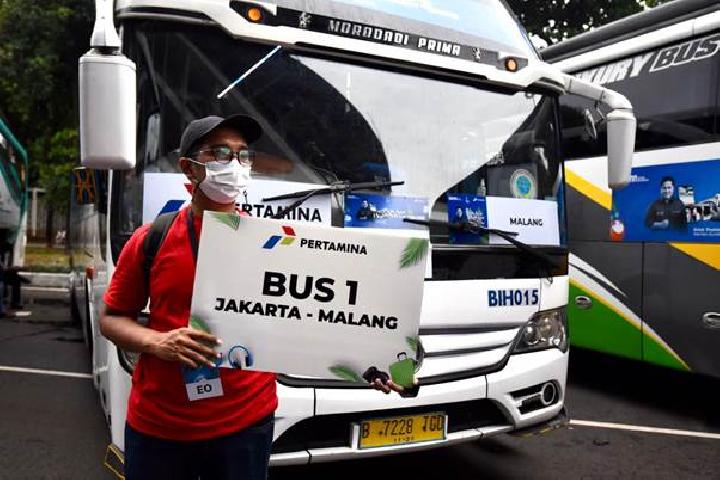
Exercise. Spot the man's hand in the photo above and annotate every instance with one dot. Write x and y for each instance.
(186, 345)
(387, 387)
(380, 380)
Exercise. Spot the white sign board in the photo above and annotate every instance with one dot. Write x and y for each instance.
(536, 221)
(309, 300)
(168, 192)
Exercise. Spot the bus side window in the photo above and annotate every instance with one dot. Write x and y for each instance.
(675, 102)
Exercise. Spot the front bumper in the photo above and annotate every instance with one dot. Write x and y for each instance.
(477, 407)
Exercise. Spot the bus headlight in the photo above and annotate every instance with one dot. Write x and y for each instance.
(546, 329)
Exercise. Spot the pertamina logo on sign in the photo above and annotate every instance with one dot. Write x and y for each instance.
(287, 239)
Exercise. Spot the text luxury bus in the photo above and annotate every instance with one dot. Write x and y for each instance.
(645, 261)
(13, 197)
(451, 99)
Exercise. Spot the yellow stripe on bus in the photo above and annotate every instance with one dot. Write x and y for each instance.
(707, 253)
(594, 193)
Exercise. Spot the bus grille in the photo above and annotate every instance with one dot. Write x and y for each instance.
(462, 352)
(451, 353)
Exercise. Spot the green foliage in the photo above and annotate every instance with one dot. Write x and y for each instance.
(198, 324)
(414, 252)
(412, 343)
(55, 172)
(40, 43)
(556, 20)
(50, 260)
(232, 220)
(345, 373)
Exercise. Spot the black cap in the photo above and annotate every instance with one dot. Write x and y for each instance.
(197, 129)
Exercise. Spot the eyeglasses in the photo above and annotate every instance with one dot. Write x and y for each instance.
(224, 154)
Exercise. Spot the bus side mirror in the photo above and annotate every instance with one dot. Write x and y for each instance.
(620, 146)
(108, 95)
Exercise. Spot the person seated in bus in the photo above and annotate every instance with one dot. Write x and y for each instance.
(667, 212)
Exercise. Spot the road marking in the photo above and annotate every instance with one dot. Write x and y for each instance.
(38, 371)
(636, 428)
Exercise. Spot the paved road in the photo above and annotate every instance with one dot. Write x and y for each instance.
(52, 427)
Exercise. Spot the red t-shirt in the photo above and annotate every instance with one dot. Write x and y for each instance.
(158, 403)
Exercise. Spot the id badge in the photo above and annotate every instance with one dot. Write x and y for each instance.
(202, 382)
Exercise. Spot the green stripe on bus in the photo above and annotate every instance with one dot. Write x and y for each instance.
(655, 353)
(601, 328)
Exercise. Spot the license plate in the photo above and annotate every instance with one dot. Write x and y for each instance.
(384, 432)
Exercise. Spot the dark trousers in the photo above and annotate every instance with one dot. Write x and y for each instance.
(12, 281)
(243, 455)
(15, 301)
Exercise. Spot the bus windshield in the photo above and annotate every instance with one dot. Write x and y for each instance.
(326, 121)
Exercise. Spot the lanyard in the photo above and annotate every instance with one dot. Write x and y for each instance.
(192, 235)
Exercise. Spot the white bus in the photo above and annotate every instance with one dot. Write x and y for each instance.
(645, 262)
(450, 98)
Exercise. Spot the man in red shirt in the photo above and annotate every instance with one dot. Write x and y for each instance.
(169, 435)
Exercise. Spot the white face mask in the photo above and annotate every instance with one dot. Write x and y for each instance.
(225, 181)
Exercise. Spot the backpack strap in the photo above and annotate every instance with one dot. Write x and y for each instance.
(154, 239)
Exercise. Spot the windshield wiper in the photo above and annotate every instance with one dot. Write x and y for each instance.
(338, 187)
(467, 227)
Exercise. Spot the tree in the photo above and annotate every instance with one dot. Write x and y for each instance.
(40, 43)
(55, 172)
(556, 20)
(55, 176)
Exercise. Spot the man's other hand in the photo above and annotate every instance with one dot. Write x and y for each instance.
(186, 345)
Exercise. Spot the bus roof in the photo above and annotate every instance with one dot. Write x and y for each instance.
(664, 24)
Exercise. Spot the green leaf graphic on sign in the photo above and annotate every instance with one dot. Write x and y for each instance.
(345, 373)
(198, 324)
(414, 252)
(230, 219)
(412, 343)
